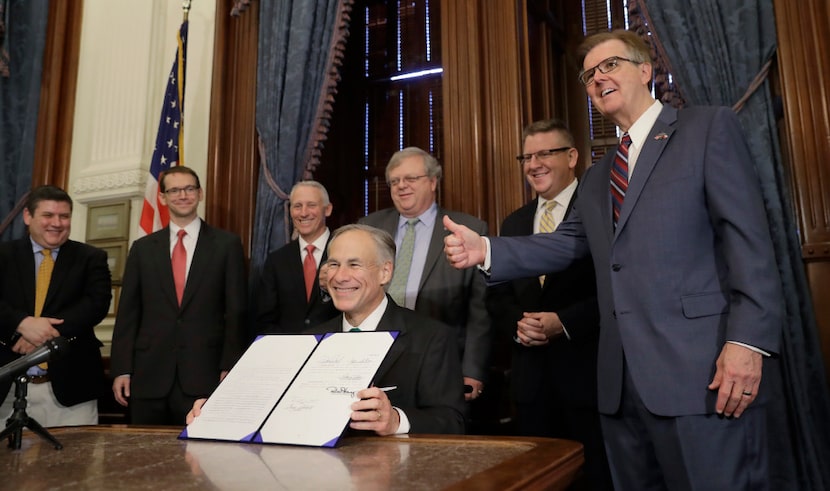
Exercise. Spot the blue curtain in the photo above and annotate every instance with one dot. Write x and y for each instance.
(715, 50)
(296, 40)
(25, 39)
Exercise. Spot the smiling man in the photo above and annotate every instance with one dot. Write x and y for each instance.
(180, 320)
(53, 286)
(552, 321)
(687, 283)
(424, 281)
(289, 300)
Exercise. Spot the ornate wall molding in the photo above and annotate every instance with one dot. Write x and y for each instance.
(128, 183)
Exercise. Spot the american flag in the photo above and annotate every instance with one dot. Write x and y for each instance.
(169, 149)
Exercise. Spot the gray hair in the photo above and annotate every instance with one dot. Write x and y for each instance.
(384, 243)
(312, 184)
(431, 165)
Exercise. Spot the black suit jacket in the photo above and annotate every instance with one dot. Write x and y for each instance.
(79, 293)
(282, 306)
(566, 366)
(424, 366)
(452, 296)
(155, 340)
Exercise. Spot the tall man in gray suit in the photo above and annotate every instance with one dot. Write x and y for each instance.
(179, 324)
(687, 283)
(424, 281)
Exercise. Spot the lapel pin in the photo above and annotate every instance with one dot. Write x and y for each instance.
(660, 136)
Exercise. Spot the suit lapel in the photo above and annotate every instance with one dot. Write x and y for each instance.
(66, 258)
(435, 251)
(652, 149)
(25, 265)
(159, 252)
(199, 266)
(392, 321)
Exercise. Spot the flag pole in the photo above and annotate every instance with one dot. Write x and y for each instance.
(185, 10)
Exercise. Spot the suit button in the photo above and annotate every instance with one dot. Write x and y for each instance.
(616, 267)
(307, 321)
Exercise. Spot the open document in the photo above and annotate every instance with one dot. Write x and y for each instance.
(292, 389)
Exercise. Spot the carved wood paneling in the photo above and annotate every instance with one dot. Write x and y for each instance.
(53, 141)
(233, 162)
(482, 107)
(803, 45)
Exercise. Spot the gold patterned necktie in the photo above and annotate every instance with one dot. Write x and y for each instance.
(44, 275)
(547, 224)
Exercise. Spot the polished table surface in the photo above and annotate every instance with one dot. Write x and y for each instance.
(152, 458)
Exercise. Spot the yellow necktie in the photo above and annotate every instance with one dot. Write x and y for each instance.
(44, 275)
(547, 224)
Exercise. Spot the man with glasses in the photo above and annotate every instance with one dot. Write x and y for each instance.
(689, 295)
(552, 321)
(180, 320)
(424, 282)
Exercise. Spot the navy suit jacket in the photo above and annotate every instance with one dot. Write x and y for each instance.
(79, 293)
(567, 367)
(454, 297)
(689, 266)
(424, 366)
(156, 340)
(282, 306)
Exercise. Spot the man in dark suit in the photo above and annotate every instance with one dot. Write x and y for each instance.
(431, 286)
(179, 326)
(77, 297)
(554, 382)
(422, 364)
(686, 279)
(285, 302)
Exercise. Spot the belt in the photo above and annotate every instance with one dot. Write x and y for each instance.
(39, 379)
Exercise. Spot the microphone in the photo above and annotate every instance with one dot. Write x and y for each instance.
(50, 350)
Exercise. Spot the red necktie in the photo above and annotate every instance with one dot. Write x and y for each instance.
(619, 176)
(309, 270)
(179, 260)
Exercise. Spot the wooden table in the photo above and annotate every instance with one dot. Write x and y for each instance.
(152, 458)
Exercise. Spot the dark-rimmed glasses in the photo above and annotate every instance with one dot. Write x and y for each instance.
(607, 65)
(540, 155)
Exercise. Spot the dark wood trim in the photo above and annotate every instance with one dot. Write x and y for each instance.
(233, 161)
(803, 42)
(53, 140)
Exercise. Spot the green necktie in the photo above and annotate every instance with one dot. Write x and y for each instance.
(403, 261)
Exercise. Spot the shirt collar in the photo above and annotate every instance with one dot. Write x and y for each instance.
(36, 248)
(370, 323)
(191, 228)
(427, 218)
(640, 129)
(562, 199)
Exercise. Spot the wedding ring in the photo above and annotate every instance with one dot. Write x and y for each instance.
(747, 393)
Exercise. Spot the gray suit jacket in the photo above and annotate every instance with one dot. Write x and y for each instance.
(454, 297)
(690, 265)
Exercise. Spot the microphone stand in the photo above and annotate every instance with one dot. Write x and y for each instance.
(19, 419)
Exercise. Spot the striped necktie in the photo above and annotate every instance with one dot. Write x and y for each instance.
(547, 224)
(619, 176)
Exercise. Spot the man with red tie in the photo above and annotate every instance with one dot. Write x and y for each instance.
(288, 299)
(179, 326)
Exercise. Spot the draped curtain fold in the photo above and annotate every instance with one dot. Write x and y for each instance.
(299, 46)
(716, 49)
(24, 40)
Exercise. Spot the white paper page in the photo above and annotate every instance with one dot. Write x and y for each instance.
(316, 408)
(243, 400)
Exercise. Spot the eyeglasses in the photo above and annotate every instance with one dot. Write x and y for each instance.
(607, 65)
(540, 155)
(407, 179)
(178, 191)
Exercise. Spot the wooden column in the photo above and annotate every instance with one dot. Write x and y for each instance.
(233, 161)
(482, 107)
(53, 140)
(803, 48)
